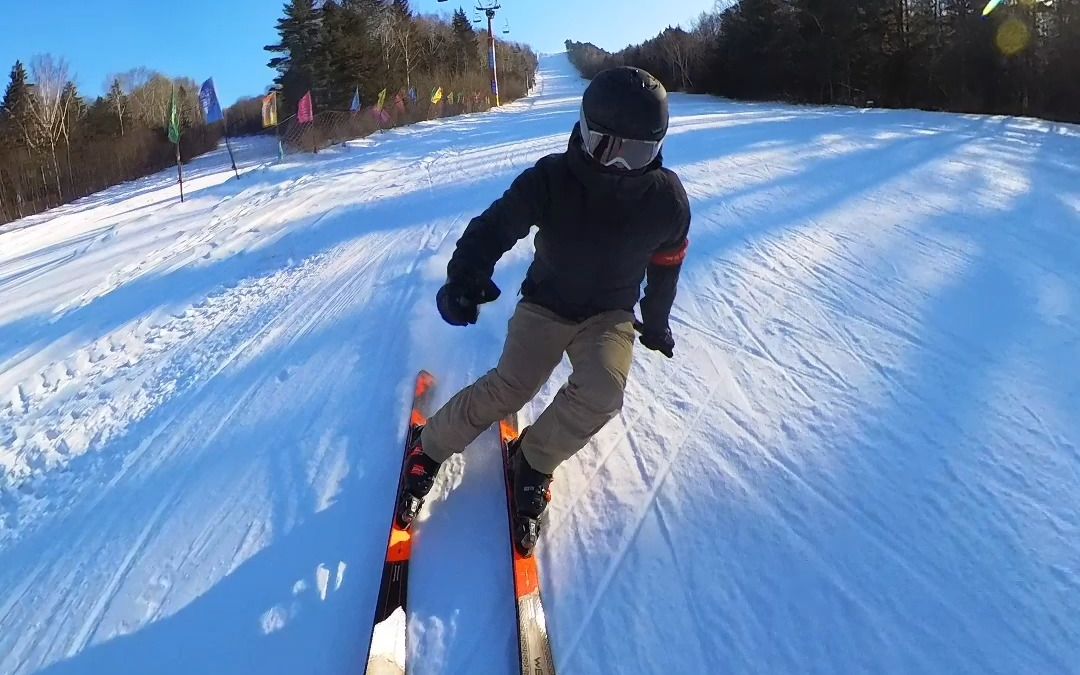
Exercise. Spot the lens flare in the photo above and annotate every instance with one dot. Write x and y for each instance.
(1013, 37)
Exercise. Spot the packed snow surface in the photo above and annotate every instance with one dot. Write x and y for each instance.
(863, 459)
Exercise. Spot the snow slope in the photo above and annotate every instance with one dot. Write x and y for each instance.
(862, 458)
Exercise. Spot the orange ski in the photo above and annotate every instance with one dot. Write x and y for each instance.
(532, 624)
(387, 649)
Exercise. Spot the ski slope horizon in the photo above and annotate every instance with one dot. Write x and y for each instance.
(861, 459)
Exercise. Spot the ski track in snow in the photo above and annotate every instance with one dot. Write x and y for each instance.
(861, 460)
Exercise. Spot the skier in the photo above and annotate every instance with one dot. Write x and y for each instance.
(608, 215)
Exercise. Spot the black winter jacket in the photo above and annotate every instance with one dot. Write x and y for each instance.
(600, 231)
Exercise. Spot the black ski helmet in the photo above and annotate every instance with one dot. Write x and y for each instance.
(628, 103)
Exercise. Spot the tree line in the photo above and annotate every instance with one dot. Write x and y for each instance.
(55, 146)
(335, 48)
(1022, 59)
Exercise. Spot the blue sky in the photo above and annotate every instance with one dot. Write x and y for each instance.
(224, 38)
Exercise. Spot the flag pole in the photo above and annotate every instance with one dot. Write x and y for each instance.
(225, 126)
(179, 172)
(231, 158)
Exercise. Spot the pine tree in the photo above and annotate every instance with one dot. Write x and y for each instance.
(940, 54)
(466, 56)
(297, 58)
(969, 54)
(1063, 57)
(17, 127)
(101, 120)
(348, 56)
(757, 56)
(401, 7)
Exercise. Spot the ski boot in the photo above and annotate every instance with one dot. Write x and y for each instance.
(531, 492)
(419, 477)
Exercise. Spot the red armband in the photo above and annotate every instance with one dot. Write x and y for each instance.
(671, 258)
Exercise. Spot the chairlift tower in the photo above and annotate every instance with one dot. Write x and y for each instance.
(489, 10)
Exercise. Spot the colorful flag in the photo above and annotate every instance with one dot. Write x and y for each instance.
(269, 110)
(436, 95)
(990, 7)
(174, 120)
(304, 113)
(209, 101)
(399, 103)
(412, 94)
(355, 107)
(382, 99)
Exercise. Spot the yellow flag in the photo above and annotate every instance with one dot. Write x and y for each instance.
(436, 95)
(269, 110)
(382, 99)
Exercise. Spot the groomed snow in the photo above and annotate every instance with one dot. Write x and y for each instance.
(863, 459)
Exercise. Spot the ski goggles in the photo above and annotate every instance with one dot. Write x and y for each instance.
(609, 150)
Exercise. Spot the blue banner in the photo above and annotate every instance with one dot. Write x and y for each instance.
(355, 101)
(209, 101)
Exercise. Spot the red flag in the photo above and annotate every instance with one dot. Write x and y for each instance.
(380, 115)
(304, 114)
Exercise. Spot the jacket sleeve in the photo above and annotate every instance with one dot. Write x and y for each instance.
(662, 274)
(496, 230)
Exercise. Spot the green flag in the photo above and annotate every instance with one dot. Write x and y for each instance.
(174, 121)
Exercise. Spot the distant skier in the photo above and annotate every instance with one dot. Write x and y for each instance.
(608, 215)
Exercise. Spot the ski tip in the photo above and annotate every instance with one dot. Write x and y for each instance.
(424, 382)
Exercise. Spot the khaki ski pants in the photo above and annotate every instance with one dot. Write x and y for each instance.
(600, 350)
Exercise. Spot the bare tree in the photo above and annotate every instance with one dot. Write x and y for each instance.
(402, 30)
(384, 25)
(118, 99)
(148, 94)
(72, 114)
(434, 38)
(51, 77)
(682, 50)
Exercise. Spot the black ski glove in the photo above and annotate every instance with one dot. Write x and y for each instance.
(459, 300)
(658, 340)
